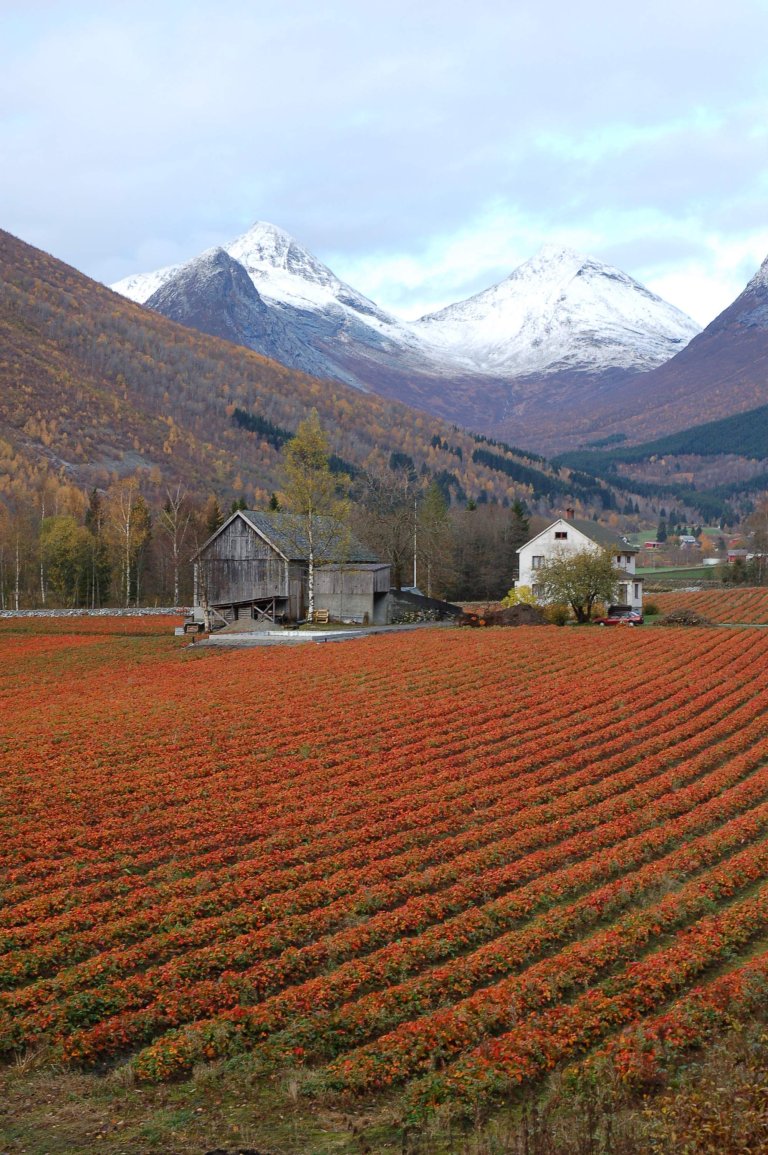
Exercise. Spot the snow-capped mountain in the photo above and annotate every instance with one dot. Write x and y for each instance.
(554, 335)
(560, 311)
(321, 325)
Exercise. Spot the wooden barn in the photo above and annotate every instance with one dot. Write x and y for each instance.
(256, 566)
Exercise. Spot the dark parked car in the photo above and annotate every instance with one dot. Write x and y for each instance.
(621, 616)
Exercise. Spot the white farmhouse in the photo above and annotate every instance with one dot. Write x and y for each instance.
(571, 535)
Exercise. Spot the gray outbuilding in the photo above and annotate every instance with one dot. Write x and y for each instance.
(256, 565)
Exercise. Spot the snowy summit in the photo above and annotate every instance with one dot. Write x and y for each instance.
(559, 311)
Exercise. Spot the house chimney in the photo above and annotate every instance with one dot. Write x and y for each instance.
(569, 513)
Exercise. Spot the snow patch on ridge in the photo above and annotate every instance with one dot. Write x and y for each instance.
(139, 287)
(561, 310)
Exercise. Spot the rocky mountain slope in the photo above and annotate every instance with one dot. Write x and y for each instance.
(92, 386)
(724, 370)
(560, 328)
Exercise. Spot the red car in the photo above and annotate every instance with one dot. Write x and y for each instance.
(621, 616)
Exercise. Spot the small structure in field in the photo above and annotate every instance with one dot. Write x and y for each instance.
(255, 566)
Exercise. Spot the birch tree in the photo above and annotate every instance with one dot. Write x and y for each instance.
(315, 499)
(127, 530)
(174, 522)
(435, 539)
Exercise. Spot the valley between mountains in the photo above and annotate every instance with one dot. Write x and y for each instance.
(560, 330)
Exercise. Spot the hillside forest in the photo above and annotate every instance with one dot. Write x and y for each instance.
(132, 542)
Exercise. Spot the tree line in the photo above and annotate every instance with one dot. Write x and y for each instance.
(132, 541)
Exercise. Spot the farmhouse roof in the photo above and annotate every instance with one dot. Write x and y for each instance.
(600, 534)
(285, 532)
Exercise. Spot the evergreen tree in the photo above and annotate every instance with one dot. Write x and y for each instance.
(517, 533)
(213, 518)
(100, 570)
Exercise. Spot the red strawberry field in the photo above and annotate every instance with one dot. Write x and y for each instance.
(427, 868)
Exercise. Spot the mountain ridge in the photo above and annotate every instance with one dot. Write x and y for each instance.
(592, 318)
(95, 387)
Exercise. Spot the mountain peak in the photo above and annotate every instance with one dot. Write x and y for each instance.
(552, 253)
(561, 311)
(562, 262)
(213, 256)
(268, 236)
(265, 248)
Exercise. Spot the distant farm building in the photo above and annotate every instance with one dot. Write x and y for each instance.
(256, 566)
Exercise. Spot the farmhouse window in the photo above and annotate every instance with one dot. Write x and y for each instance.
(537, 561)
(561, 535)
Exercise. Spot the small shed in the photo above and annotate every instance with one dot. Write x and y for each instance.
(354, 590)
(256, 565)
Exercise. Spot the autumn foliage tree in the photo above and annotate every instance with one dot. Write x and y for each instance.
(128, 525)
(315, 500)
(578, 579)
(66, 552)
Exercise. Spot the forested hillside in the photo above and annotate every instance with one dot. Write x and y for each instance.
(718, 467)
(125, 436)
(97, 387)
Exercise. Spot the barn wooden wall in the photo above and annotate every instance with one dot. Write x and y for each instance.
(239, 566)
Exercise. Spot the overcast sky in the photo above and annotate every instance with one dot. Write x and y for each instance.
(421, 149)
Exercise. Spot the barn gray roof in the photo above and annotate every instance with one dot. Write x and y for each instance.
(286, 533)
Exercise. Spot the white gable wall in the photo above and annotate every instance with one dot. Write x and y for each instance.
(562, 537)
